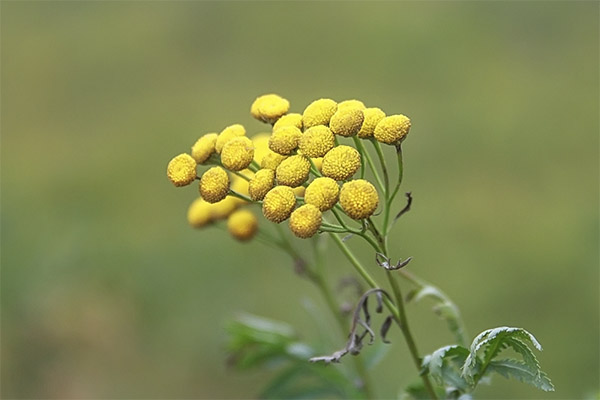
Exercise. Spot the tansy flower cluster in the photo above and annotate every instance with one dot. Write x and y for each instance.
(309, 169)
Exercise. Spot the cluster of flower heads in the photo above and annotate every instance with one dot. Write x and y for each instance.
(296, 172)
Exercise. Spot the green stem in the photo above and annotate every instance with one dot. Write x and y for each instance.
(361, 149)
(381, 157)
(367, 156)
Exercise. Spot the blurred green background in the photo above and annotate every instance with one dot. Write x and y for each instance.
(106, 291)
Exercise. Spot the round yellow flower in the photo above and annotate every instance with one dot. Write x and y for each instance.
(285, 140)
(269, 108)
(199, 213)
(293, 119)
(319, 112)
(263, 181)
(242, 225)
(181, 170)
(348, 104)
(227, 134)
(222, 209)
(279, 203)
(204, 147)
(261, 146)
(240, 185)
(392, 129)
(318, 162)
(341, 162)
(346, 122)
(316, 141)
(214, 184)
(372, 117)
(299, 191)
(272, 160)
(293, 171)
(323, 193)
(237, 153)
(305, 221)
(359, 199)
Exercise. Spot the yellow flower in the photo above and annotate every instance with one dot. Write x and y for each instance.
(372, 117)
(204, 147)
(214, 184)
(347, 122)
(319, 112)
(263, 181)
(293, 171)
(285, 140)
(227, 134)
(240, 185)
(272, 160)
(223, 208)
(199, 213)
(299, 191)
(181, 170)
(279, 203)
(359, 199)
(348, 104)
(341, 162)
(269, 107)
(392, 129)
(242, 225)
(305, 221)
(261, 146)
(323, 193)
(318, 162)
(293, 119)
(316, 141)
(237, 153)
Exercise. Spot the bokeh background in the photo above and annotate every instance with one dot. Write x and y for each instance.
(106, 291)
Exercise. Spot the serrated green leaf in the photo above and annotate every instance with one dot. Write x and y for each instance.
(519, 370)
(443, 365)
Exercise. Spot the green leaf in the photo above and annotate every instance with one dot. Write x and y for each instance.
(521, 371)
(443, 365)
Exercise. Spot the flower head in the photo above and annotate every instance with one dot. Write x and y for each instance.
(348, 104)
(240, 185)
(293, 119)
(269, 107)
(293, 171)
(214, 184)
(279, 203)
(181, 170)
(284, 140)
(242, 225)
(227, 134)
(237, 153)
(199, 213)
(341, 162)
(261, 146)
(261, 183)
(319, 112)
(392, 129)
(359, 199)
(222, 209)
(372, 117)
(323, 193)
(272, 160)
(305, 221)
(204, 147)
(346, 122)
(316, 141)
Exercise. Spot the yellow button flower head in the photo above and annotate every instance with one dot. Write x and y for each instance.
(237, 153)
(319, 112)
(199, 213)
(224, 208)
(181, 170)
(359, 199)
(316, 141)
(263, 181)
(323, 193)
(305, 221)
(242, 225)
(348, 104)
(392, 129)
(227, 134)
(279, 203)
(272, 160)
(293, 119)
(214, 184)
(285, 140)
(341, 162)
(269, 108)
(293, 171)
(299, 191)
(240, 185)
(372, 117)
(318, 162)
(261, 146)
(347, 122)
(204, 147)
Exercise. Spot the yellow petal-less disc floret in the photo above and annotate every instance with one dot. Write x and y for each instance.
(293, 119)
(237, 153)
(372, 117)
(263, 181)
(305, 221)
(240, 185)
(359, 199)
(269, 108)
(293, 171)
(261, 146)
(341, 162)
(199, 213)
(279, 203)
(285, 140)
(214, 184)
(272, 160)
(317, 162)
(316, 141)
(392, 129)
(323, 193)
(181, 170)
(242, 225)
(348, 104)
(319, 112)
(204, 147)
(222, 209)
(232, 131)
(346, 122)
